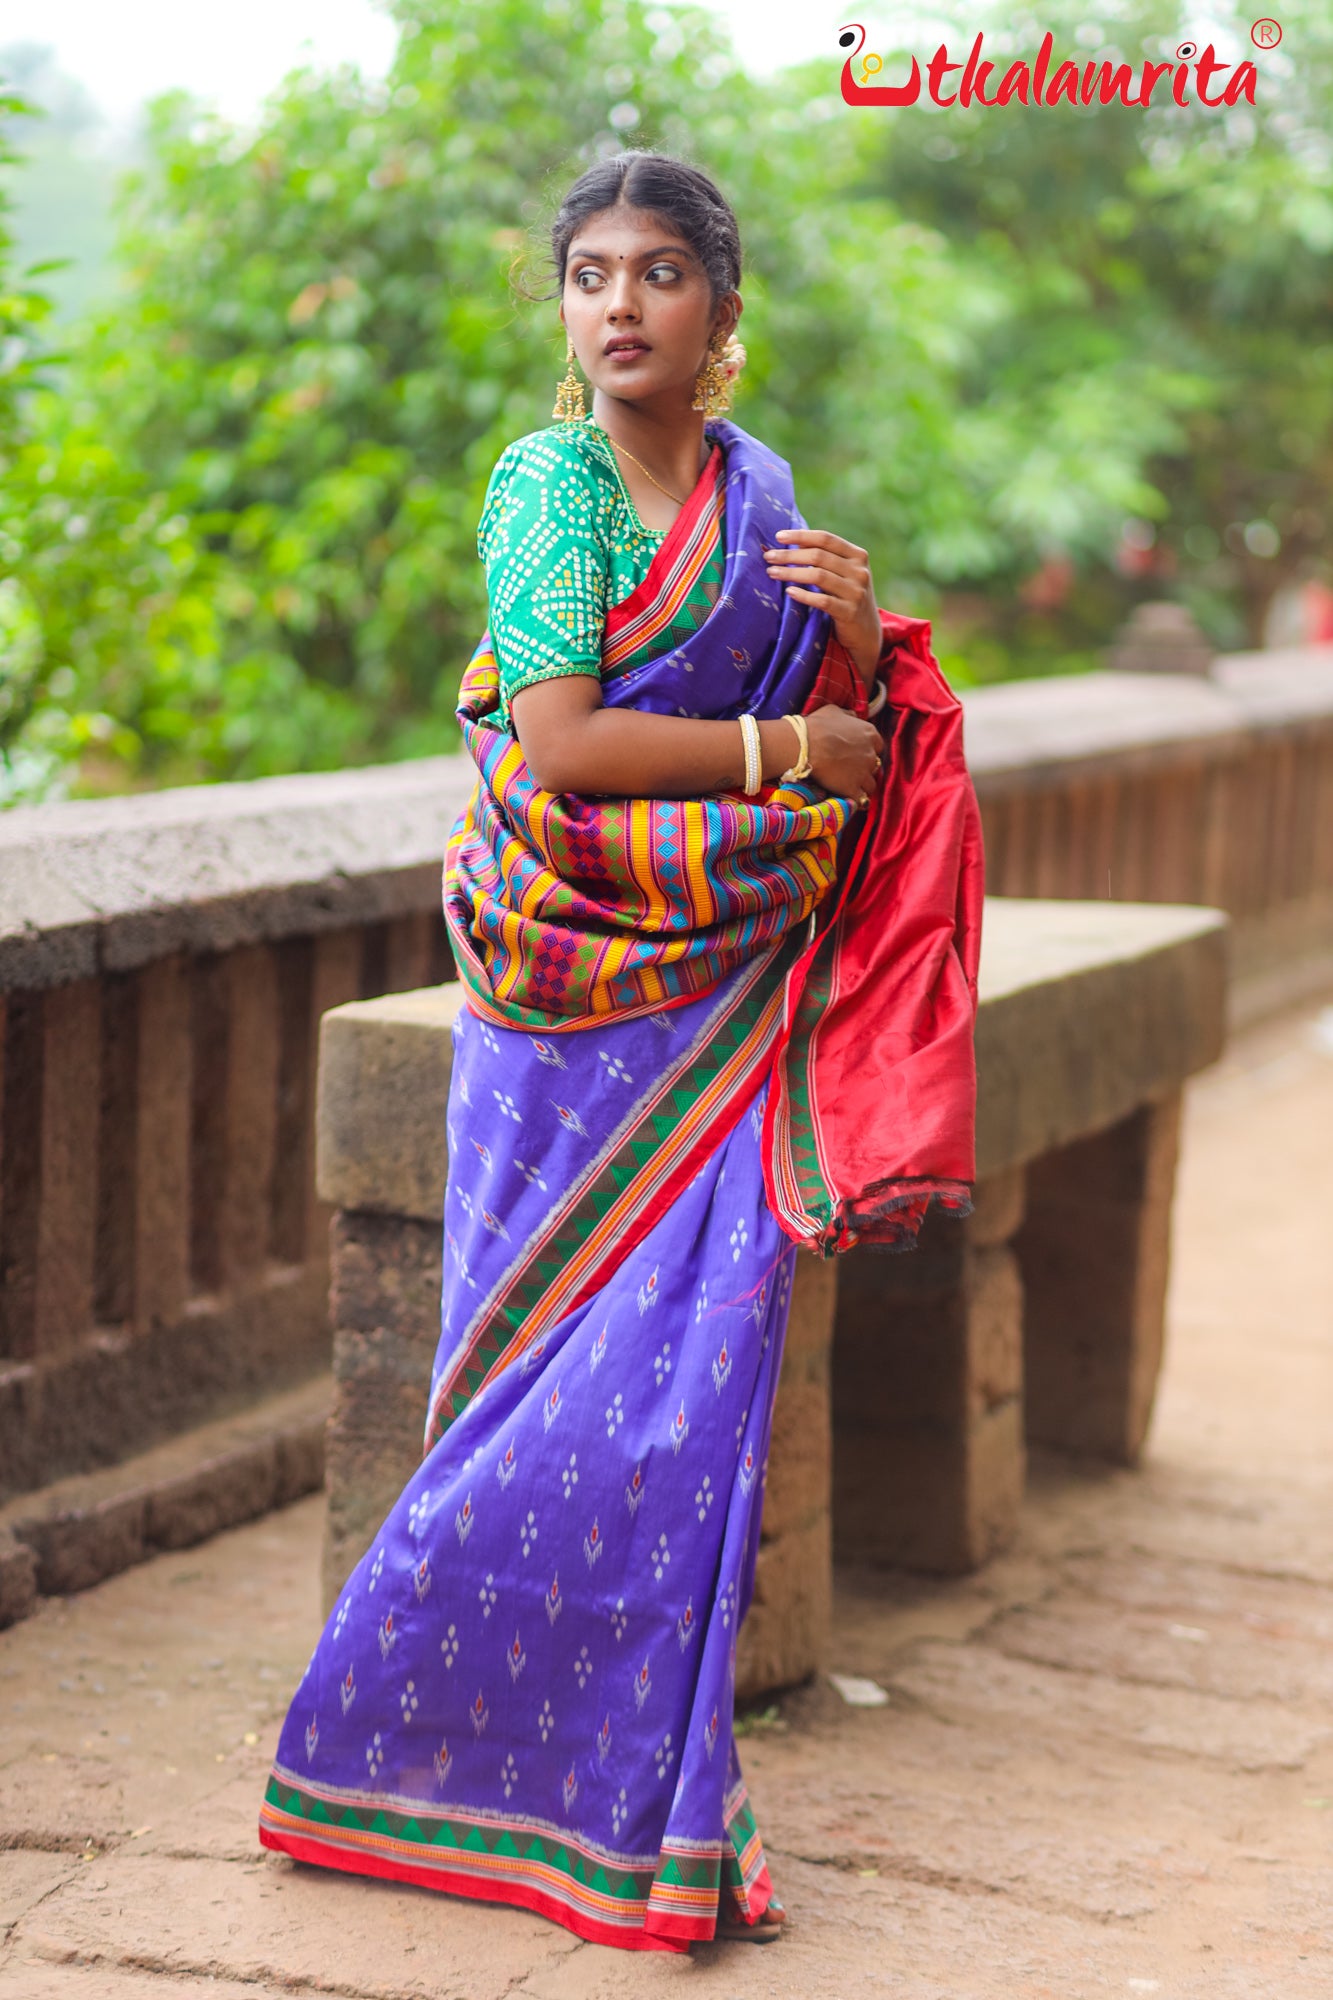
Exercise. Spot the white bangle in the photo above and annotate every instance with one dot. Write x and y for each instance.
(754, 756)
(878, 699)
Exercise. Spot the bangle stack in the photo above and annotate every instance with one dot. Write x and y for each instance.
(754, 758)
(754, 755)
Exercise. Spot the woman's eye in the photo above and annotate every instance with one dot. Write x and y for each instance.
(664, 271)
(587, 272)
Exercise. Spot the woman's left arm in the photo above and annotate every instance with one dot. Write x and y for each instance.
(822, 569)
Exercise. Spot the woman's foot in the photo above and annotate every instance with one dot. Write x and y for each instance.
(768, 1927)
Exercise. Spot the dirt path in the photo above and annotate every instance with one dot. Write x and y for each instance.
(1106, 1766)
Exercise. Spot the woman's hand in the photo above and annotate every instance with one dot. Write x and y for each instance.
(844, 752)
(822, 569)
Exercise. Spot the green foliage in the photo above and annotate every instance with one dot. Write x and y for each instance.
(1169, 281)
(23, 308)
(240, 535)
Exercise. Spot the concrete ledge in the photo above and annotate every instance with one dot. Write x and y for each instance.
(1052, 731)
(81, 1530)
(110, 885)
(1067, 729)
(1087, 1010)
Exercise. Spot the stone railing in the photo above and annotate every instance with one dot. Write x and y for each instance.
(164, 964)
(165, 960)
(903, 1438)
(1174, 788)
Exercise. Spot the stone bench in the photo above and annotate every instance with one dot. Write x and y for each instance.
(910, 1384)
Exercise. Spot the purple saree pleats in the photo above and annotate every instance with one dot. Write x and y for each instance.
(525, 1691)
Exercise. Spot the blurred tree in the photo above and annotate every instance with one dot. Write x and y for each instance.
(273, 447)
(23, 308)
(1170, 319)
(987, 340)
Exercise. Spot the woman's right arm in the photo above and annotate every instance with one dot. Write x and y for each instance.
(573, 744)
(541, 542)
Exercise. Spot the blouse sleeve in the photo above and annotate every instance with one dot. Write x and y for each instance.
(541, 540)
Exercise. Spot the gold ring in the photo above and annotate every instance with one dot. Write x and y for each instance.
(864, 799)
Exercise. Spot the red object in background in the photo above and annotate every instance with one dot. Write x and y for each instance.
(1317, 604)
(1048, 587)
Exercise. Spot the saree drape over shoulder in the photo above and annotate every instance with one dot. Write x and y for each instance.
(699, 1034)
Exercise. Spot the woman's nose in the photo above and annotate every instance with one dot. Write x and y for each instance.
(621, 303)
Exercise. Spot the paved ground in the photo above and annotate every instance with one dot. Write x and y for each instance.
(1106, 1767)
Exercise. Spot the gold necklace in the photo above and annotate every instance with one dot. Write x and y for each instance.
(642, 467)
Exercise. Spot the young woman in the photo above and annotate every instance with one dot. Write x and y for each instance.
(717, 929)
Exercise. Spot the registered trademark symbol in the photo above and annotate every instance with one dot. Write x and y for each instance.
(1266, 34)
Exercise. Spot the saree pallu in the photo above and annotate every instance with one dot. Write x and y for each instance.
(660, 1082)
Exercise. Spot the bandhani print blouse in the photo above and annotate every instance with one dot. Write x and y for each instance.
(562, 544)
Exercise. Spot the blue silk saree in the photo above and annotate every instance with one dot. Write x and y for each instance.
(525, 1692)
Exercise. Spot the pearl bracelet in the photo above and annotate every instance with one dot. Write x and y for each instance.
(754, 756)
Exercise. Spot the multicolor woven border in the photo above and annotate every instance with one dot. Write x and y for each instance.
(640, 1902)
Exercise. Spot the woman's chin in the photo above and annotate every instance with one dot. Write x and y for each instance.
(635, 385)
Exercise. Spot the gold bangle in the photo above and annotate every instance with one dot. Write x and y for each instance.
(801, 768)
(754, 756)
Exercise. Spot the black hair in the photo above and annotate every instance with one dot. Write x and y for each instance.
(680, 193)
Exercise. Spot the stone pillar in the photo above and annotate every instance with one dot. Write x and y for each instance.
(384, 1297)
(784, 1638)
(1094, 1251)
(928, 1392)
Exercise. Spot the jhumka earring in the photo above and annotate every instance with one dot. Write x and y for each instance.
(569, 393)
(713, 383)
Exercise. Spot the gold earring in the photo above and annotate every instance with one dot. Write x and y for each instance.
(712, 385)
(569, 393)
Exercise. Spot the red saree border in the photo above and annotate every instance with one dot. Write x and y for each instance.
(671, 1933)
(632, 1902)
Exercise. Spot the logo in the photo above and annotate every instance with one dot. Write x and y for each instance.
(973, 80)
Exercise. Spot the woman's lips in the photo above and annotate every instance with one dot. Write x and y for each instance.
(628, 353)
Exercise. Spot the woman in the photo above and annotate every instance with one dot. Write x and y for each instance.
(717, 931)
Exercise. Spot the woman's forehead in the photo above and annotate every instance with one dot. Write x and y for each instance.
(623, 232)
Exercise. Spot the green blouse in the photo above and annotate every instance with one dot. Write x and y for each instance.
(561, 542)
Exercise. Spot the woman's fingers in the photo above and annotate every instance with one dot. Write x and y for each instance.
(821, 539)
(821, 601)
(829, 587)
(822, 569)
(817, 579)
(827, 563)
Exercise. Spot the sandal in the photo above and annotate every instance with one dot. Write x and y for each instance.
(731, 1930)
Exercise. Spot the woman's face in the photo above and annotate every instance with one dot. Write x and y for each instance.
(638, 307)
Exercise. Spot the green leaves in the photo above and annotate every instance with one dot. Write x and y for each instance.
(239, 533)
